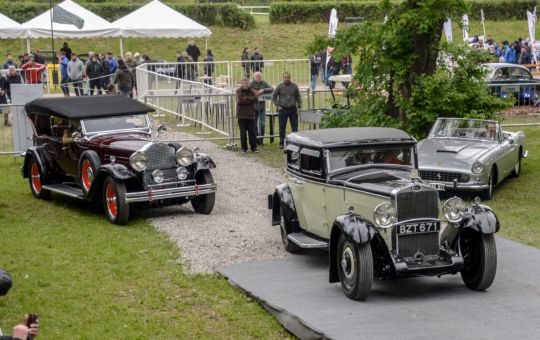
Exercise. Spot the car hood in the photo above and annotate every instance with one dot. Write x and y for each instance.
(382, 180)
(125, 144)
(451, 153)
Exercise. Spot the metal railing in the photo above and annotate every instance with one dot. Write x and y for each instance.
(256, 10)
(15, 130)
(525, 93)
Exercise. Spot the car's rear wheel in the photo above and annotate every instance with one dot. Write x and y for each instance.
(88, 166)
(114, 201)
(479, 258)
(204, 204)
(355, 268)
(283, 228)
(36, 180)
(487, 194)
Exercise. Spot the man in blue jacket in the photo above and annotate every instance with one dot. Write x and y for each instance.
(510, 54)
(64, 78)
(113, 65)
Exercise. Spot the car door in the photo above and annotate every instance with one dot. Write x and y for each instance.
(508, 155)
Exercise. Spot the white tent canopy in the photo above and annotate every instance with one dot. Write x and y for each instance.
(94, 25)
(157, 20)
(10, 29)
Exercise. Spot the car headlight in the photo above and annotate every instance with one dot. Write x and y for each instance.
(184, 156)
(384, 215)
(182, 173)
(138, 161)
(158, 176)
(478, 168)
(454, 209)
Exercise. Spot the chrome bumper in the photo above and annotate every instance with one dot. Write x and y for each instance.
(159, 194)
(458, 186)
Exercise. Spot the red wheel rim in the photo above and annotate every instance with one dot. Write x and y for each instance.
(87, 174)
(110, 196)
(36, 178)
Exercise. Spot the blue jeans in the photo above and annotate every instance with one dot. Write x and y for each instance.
(313, 82)
(292, 114)
(126, 92)
(260, 122)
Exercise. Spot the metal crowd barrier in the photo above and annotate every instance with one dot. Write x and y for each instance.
(525, 93)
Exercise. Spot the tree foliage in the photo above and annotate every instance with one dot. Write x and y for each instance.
(402, 81)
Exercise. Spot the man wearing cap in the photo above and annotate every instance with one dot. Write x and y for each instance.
(33, 71)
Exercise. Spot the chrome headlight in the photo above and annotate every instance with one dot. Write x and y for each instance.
(182, 173)
(184, 156)
(158, 176)
(454, 209)
(138, 161)
(384, 215)
(478, 168)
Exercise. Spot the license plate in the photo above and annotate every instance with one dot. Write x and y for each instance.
(438, 186)
(418, 228)
(507, 89)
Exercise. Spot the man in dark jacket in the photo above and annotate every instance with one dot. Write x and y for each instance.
(3, 100)
(12, 78)
(257, 64)
(94, 72)
(193, 51)
(245, 112)
(287, 100)
(124, 78)
(261, 88)
(209, 67)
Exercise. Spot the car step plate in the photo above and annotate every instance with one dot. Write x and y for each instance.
(305, 241)
(64, 189)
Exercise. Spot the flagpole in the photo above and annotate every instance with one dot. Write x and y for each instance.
(52, 43)
(483, 23)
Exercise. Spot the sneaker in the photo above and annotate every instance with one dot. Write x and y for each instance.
(256, 151)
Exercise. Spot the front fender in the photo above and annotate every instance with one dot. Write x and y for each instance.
(355, 229)
(118, 171)
(203, 162)
(283, 199)
(480, 218)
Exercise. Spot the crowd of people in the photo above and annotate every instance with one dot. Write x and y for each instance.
(519, 52)
(325, 64)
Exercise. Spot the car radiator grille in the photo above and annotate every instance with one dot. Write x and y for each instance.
(426, 243)
(417, 204)
(160, 156)
(443, 176)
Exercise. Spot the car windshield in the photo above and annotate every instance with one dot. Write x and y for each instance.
(116, 123)
(465, 128)
(387, 154)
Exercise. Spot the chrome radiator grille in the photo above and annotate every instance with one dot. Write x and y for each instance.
(443, 176)
(417, 204)
(160, 156)
(426, 243)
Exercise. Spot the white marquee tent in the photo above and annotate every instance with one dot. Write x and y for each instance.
(94, 25)
(10, 29)
(157, 20)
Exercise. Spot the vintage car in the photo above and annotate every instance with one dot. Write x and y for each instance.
(513, 80)
(470, 155)
(100, 148)
(356, 193)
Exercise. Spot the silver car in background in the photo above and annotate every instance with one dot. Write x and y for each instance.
(470, 155)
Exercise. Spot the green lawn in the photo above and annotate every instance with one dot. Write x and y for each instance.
(88, 279)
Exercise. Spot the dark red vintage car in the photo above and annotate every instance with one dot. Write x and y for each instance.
(101, 148)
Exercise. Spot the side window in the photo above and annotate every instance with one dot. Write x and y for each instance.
(310, 161)
(518, 73)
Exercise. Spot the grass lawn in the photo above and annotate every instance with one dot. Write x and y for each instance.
(88, 279)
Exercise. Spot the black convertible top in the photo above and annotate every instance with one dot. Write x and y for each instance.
(87, 106)
(349, 136)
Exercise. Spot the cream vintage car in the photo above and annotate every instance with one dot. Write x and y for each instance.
(356, 192)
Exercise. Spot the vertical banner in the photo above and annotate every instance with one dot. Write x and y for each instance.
(332, 25)
(465, 27)
(531, 21)
(447, 27)
(483, 19)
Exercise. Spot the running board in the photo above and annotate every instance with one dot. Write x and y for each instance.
(304, 241)
(64, 189)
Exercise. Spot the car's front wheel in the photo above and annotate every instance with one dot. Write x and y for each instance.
(204, 204)
(487, 194)
(35, 179)
(283, 227)
(355, 268)
(114, 201)
(479, 259)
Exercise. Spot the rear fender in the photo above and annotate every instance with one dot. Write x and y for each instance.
(356, 229)
(283, 199)
(41, 158)
(480, 218)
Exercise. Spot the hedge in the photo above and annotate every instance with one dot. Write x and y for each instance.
(222, 14)
(297, 12)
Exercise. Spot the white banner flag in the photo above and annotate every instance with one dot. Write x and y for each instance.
(531, 21)
(332, 25)
(482, 17)
(465, 27)
(448, 30)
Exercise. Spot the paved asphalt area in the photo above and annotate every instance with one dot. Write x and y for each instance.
(297, 292)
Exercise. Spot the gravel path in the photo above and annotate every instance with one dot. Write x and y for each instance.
(239, 228)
